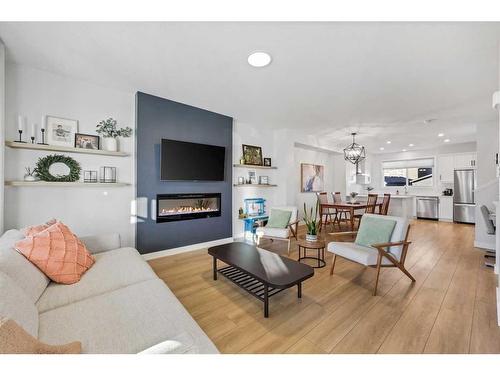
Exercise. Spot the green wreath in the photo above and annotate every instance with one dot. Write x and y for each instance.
(43, 165)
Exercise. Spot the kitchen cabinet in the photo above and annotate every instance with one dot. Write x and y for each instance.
(446, 167)
(465, 160)
(446, 208)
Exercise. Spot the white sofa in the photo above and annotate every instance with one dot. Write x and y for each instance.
(119, 305)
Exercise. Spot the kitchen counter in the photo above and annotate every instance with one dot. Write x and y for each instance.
(400, 196)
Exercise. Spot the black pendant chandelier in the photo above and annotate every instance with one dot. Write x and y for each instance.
(354, 153)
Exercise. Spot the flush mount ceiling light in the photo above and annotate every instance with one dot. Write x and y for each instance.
(441, 135)
(404, 150)
(382, 149)
(388, 142)
(446, 140)
(354, 153)
(411, 145)
(259, 59)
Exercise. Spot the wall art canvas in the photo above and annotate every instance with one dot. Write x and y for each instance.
(312, 178)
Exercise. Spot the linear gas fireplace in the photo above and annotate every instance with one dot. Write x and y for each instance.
(173, 207)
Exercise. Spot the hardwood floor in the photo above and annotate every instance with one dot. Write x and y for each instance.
(449, 309)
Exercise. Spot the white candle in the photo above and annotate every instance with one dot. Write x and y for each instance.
(42, 123)
(20, 122)
(33, 130)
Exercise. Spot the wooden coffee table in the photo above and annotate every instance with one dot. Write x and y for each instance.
(260, 272)
(318, 245)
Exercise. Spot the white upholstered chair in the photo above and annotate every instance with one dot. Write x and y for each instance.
(389, 254)
(281, 234)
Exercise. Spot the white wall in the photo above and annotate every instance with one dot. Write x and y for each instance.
(487, 182)
(2, 132)
(34, 93)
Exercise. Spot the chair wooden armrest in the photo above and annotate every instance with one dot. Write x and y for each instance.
(295, 222)
(341, 233)
(292, 225)
(390, 244)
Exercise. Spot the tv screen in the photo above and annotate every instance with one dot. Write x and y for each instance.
(191, 161)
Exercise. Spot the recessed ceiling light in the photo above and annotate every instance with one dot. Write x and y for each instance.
(441, 135)
(259, 59)
(388, 142)
(382, 149)
(446, 140)
(404, 149)
(411, 145)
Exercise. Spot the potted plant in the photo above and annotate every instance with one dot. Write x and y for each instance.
(353, 195)
(107, 129)
(312, 223)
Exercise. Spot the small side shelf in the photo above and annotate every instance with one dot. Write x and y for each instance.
(256, 185)
(35, 146)
(64, 184)
(253, 166)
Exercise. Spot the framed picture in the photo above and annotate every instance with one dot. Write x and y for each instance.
(311, 178)
(251, 177)
(61, 131)
(264, 180)
(87, 141)
(252, 155)
(267, 162)
(241, 180)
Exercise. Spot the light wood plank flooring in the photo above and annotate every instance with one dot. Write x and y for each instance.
(450, 309)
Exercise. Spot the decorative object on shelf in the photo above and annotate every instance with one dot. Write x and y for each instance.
(311, 178)
(33, 133)
(241, 214)
(30, 174)
(267, 162)
(369, 188)
(312, 222)
(90, 176)
(252, 155)
(353, 196)
(242, 160)
(61, 131)
(264, 180)
(58, 168)
(20, 127)
(107, 174)
(251, 177)
(42, 130)
(241, 180)
(354, 153)
(88, 141)
(107, 129)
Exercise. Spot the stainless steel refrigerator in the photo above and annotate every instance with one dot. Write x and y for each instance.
(464, 201)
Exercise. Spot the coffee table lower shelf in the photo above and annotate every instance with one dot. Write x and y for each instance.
(253, 286)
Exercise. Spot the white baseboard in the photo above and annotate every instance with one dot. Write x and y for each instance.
(484, 245)
(185, 249)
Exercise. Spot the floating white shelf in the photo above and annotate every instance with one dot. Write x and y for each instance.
(34, 146)
(65, 184)
(253, 166)
(255, 185)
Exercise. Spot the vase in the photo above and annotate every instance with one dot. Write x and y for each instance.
(30, 178)
(353, 200)
(109, 144)
(311, 237)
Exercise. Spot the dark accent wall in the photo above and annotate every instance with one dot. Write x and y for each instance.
(158, 118)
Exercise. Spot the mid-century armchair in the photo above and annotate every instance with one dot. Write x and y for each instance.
(390, 253)
(282, 234)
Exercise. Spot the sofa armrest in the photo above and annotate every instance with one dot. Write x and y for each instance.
(102, 242)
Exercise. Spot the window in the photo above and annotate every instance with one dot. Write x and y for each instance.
(414, 172)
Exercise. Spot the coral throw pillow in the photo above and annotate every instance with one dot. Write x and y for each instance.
(58, 253)
(30, 231)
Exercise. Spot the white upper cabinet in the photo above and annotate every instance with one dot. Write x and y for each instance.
(465, 161)
(446, 166)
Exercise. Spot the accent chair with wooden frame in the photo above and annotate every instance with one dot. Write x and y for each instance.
(281, 234)
(389, 254)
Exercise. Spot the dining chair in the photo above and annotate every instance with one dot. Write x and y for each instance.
(325, 213)
(370, 207)
(370, 250)
(337, 198)
(384, 209)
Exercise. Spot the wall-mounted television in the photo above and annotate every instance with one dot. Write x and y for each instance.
(186, 161)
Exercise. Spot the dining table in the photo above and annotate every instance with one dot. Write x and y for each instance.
(345, 206)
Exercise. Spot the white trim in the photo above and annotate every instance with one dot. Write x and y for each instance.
(185, 249)
(484, 245)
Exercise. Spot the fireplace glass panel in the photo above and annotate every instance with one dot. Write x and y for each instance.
(172, 207)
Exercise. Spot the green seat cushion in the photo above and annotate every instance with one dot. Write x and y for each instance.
(373, 230)
(279, 218)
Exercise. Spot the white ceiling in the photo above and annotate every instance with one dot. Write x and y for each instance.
(382, 79)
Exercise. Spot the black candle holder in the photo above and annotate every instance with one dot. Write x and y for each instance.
(43, 138)
(20, 137)
(32, 139)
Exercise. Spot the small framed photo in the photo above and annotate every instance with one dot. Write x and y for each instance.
(90, 142)
(267, 162)
(61, 131)
(252, 179)
(264, 180)
(241, 180)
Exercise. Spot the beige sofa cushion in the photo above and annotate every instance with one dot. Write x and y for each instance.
(16, 305)
(127, 320)
(24, 273)
(112, 270)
